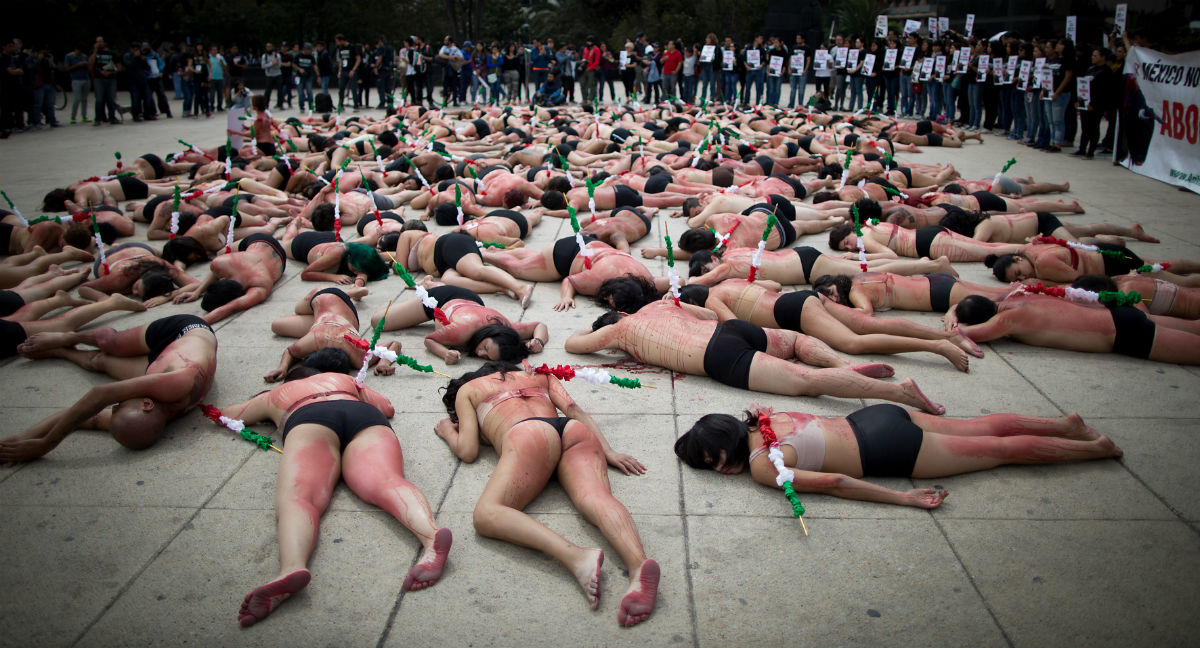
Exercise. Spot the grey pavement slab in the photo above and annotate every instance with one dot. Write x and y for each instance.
(107, 546)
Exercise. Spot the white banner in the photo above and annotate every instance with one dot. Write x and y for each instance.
(1119, 19)
(911, 26)
(889, 59)
(1159, 125)
(943, 25)
(868, 66)
(1072, 21)
(881, 27)
(907, 58)
(708, 53)
(933, 27)
(775, 66)
(797, 63)
(970, 24)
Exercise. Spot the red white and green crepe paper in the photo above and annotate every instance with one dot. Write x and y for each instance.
(195, 149)
(1106, 297)
(263, 441)
(1076, 245)
(723, 239)
(593, 375)
(672, 276)
(584, 251)
(13, 208)
(756, 260)
(232, 222)
(1153, 267)
(458, 202)
(1007, 166)
(176, 198)
(99, 241)
(786, 476)
(858, 236)
(422, 294)
(120, 165)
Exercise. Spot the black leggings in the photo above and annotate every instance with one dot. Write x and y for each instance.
(888, 440)
(160, 333)
(444, 294)
(789, 309)
(731, 351)
(451, 248)
(345, 417)
(340, 294)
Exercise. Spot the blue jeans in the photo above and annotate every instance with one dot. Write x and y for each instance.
(304, 92)
(43, 104)
(178, 81)
(325, 84)
(218, 93)
(919, 99)
(1017, 108)
(1056, 112)
(906, 94)
(934, 90)
(188, 96)
(975, 97)
(688, 93)
(774, 86)
(753, 78)
(708, 81)
(729, 87)
(798, 85)
(948, 100)
(1041, 134)
(856, 88)
(892, 86)
(478, 87)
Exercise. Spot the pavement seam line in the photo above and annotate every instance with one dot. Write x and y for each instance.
(1061, 411)
(683, 523)
(971, 579)
(150, 561)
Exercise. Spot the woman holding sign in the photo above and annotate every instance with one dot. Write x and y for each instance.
(708, 68)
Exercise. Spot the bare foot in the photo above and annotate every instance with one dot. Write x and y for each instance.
(357, 292)
(1107, 444)
(526, 295)
(1076, 429)
(24, 448)
(40, 345)
(77, 254)
(1141, 235)
(1066, 184)
(918, 399)
(956, 355)
(874, 370)
(123, 302)
(263, 600)
(68, 299)
(966, 343)
(638, 603)
(1076, 207)
(944, 265)
(587, 574)
(429, 570)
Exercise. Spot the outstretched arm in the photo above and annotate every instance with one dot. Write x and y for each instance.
(993, 329)
(462, 437)
(591, 341)
(851, 488)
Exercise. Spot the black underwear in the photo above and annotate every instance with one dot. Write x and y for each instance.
(155, 163)
(445, 294)
(6, 230)
(924, 127)
(12, 334)
(1134, 332)
(117, 248)
(624, 196)
(907, 173)
(559, 423)
(657, 183)
(924, 239)
(266, 148)
(514, 216)
(161, 333)
(565, 251)
(796, 185)
(259, 237)
(362, 223)
(888, 440)
(767, 164)
(940, 286)
(451, 248)
(989, 201)
(10, 302)
(531, 174)
(934, 139)
(340, 295)
(1114, 267)
(133, 188)
(151, 206)
(345, 417)
(731, 350)
(1047, 223)
(789, 309)
(482, 128)
(808, 258)
(304, 242)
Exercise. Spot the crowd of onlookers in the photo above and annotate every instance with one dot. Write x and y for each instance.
(1025, 89)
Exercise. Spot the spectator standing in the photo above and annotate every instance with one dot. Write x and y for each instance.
(77, 69)
(591, 64)
(236, 64)
(513, 63)
(348, 60)
(450, 56)
(135, 75)
(305, 65)
(287, 77)
(708, 68)
(495, 68)
(10, 90)
(44, 90)
(201, 82)
(798, 83)
(325, 70)
(539, 62)
(1103, 86)
(566, 59)
(216, 79)
(384, 59)
(183, 61)
(729, 75)
(466, 72)
(672, 61)
(608, 72)
(175, 65)
(479, 72)
(270, 62)
(776, 63)
(365, 76)
(690, 57)
(155, 79)
(105, 67)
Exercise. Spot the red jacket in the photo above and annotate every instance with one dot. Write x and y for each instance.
(671, 61)
(591, 56)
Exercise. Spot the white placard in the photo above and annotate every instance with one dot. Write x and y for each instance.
(821, 60)
(943, 25)
(868, 64)
(753, 58)
(926, 68)
(1119, 19)
(727, 60)
(998, 70)
(1023, 76)
(852, 58)
(839, 56)
(906, 59)
(797, 63)
(939, 64)
(970, 24)
(881, 27)
(775, 66)
(911, 26)
(1072, 23)
(964, 60)
(1083, 86)
(1045, 78)
(889, 59)
(933, 27)
(708, 53)
(981, 67)
(624, 59)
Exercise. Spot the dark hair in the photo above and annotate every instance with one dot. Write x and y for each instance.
(311, 190)
(329, 360)
(455, 384)
(56, 199)
(318, 143)
(689, 203)
(156, 282)
(388, 138)
(508, 341)
(108, 233)
(954, 188)
(389, 241)
(834, 286)
(1000, 264)
(867, 209)
(699, 260)
(445, 214)
(710, 435)
(77, 235)
(694, 294)
(837, 234)
(830, 171)
(607, 319)
(322, 218)
(414, 224)
(558, 183)
(1095, 283)
(185, 249)
(626, 294)
(220, 293)
(514, 198)
(443, 172)
(975, 309)
(823, 196)
(553, 199)
(960, 220)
